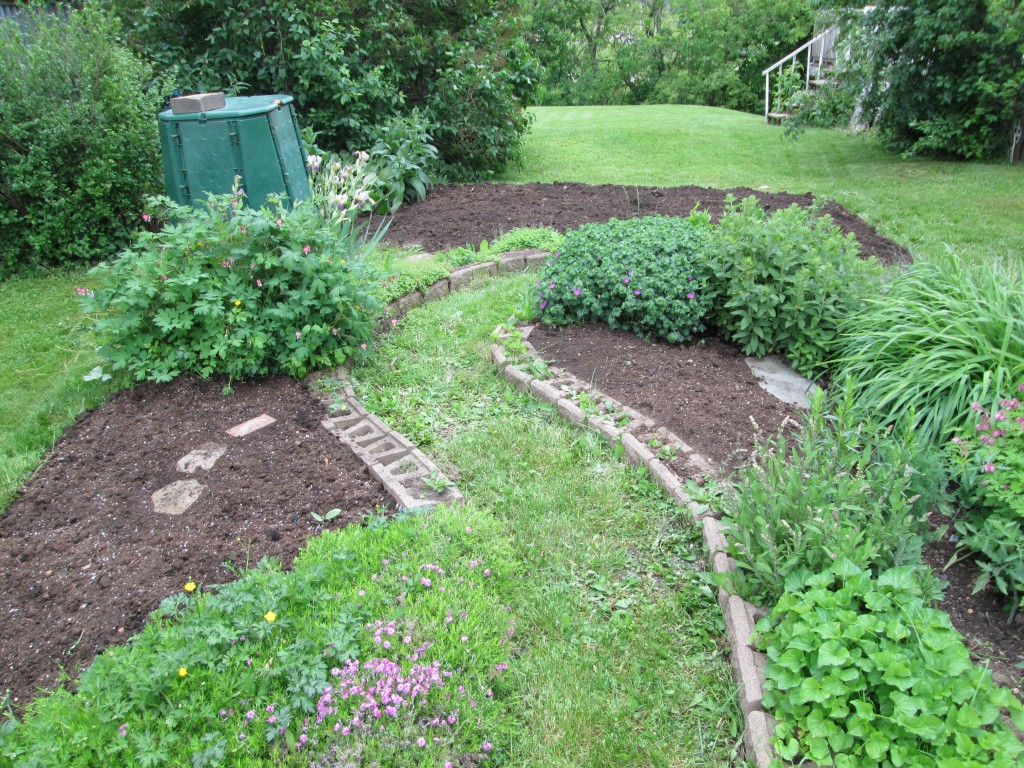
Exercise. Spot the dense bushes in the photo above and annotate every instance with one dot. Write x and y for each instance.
(779, 283)
(228, 289)
(643, 275)
(78, 138)
(786, 281)
(352, 67)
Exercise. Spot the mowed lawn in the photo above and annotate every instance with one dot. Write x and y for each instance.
(977, 209)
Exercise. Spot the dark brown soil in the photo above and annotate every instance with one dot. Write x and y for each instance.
(980, 618)
(455, 215)
(83, 555)
(703, 392)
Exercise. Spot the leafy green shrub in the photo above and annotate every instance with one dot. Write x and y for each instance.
(354, 65)
(989, 467)
(541, 238)
(644, 275)
(842, 487)
(227, 289)
(78, 138)
(786, 281)
(403, 160)
(862, 671)
(941, 336)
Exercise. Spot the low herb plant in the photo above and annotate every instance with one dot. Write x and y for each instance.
(387, 644)
(225, 289)
(989, 469)
(644, 275)
(841, 486)
(862, 671)
(541, 238)
(785, 281)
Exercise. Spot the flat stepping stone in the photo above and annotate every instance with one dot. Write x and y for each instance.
(175, 498)
(250, 426)
(203, 457)
(777, 377)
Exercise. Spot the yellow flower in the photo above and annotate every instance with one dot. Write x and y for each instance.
(238, 303)
(270, 616)
(190, 587)
(182, 671)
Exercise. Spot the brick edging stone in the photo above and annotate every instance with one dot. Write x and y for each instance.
(400, 466)
(740, 616)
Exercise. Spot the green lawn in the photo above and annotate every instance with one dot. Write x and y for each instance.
(975, 208)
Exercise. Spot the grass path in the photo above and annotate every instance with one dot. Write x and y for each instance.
(975, 208)
(622, 666)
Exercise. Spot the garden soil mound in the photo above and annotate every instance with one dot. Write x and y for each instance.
(83, 555)
(454, 215)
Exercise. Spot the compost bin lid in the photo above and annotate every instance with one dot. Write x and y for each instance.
(234, 107)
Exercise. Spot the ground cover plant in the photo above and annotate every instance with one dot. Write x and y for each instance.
(940, 336)
(389, 639)
(863, 671)
(643, 275)
(78, 141)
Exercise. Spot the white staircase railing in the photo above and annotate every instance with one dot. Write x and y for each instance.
(820, 48)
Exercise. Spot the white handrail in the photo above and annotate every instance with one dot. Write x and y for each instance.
(803, 47)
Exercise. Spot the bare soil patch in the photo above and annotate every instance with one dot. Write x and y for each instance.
(84, 558)
(457, 214)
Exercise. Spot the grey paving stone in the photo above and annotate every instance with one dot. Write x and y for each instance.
(519, 379)
(635, 451)
(545, 391)
(203, 457)
(177, 497)
(757, 738)
(714, 536)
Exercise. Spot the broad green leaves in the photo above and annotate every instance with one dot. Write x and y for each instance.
(906, 695)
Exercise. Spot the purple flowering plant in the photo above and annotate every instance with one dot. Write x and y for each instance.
(988, 465)
(644, 275)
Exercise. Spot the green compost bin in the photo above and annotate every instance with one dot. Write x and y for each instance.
(255, 137)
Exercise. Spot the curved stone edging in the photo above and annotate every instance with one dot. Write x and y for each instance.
(740, 616)
(391, 457)
(401, 468)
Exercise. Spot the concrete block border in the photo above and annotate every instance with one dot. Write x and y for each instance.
(619, 425)
(402, 468)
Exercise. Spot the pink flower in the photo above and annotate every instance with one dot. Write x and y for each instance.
(298, 334)
(259, 283)
(394, 321)
(625, 280)
(576, 291)
(691, 295)
(989, 467)
(362, 346)
(279, 223)
(123, 729)
(306, 249)
(146, 217)
(957, 440)
(636, 292)
(421, 741)
(242, 230)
